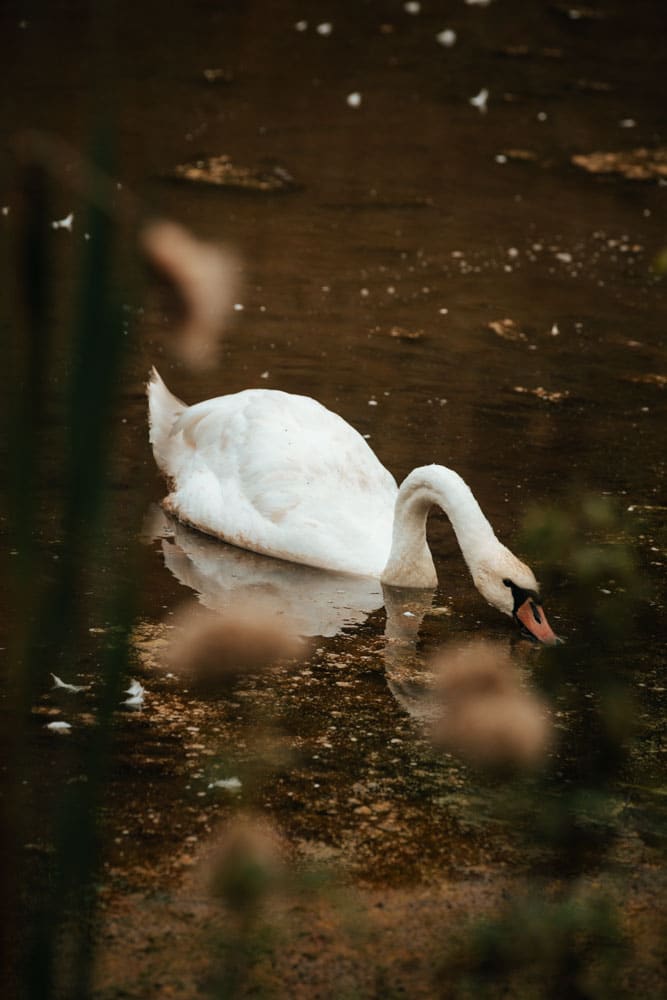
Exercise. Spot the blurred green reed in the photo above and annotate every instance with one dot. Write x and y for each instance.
(562, 938)
(49, 908)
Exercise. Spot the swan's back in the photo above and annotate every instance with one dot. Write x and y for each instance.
(278, 474)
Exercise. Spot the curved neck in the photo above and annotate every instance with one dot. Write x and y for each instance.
(410, 562)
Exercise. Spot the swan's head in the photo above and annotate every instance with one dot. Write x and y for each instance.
(509, 585)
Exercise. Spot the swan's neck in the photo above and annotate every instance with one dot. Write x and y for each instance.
(410, 562)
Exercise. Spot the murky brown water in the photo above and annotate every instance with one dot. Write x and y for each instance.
(410, 215)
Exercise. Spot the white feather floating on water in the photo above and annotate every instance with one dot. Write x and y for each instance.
(137, 693)
(65, 223)
(61, 685)
(479, 100)
(135, 702)
(59, 727)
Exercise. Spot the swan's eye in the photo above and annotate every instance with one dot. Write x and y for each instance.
(508, 583)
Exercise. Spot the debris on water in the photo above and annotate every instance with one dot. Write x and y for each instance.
(65, 223)
(264, 375)
(555, 332)
(301, 26)
(412, 7)
(593, 86)
(403, 333)
(135, 689)
(5, 210)
(507, 329)
(324, 29)
(479, 101)
(354, 100)
(220, 171)
(59, 727)
(628, 123)
(523, 51)
(63, 686)
(409, 614)
(218, 75)
(522, 155)
(579, 13)
(650, 379)
(478, 3)
(229, 784)
(541, 393)
(636, 164)
(446, 38)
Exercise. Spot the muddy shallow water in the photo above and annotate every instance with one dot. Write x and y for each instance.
(371, 286)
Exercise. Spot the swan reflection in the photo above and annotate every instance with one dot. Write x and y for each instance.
(316, 602)
(469, 698)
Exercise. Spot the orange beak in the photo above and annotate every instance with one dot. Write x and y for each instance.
(532, 619)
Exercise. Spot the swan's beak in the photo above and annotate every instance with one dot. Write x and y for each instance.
(532, 619)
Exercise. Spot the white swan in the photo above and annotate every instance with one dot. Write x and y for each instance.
(281, 475)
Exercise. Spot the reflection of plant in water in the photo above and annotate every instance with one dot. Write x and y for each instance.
(564, 939)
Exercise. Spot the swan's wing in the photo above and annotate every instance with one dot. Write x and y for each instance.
(282, 475)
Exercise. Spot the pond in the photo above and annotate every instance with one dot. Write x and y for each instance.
(381, 284)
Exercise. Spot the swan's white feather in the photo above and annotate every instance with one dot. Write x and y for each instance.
(281, 475)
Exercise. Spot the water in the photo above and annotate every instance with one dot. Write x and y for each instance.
(406, 219)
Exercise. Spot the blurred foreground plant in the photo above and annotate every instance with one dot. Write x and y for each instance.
(485, 716)
(67, 560)
(564, 939)
(214, 650)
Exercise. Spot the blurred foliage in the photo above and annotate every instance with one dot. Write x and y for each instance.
(660, 262)
(52, 903)
(542, 948)
(568, 941)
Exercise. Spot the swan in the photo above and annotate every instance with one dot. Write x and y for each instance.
(281, 475)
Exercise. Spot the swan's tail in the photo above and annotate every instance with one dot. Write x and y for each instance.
(163, 410)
